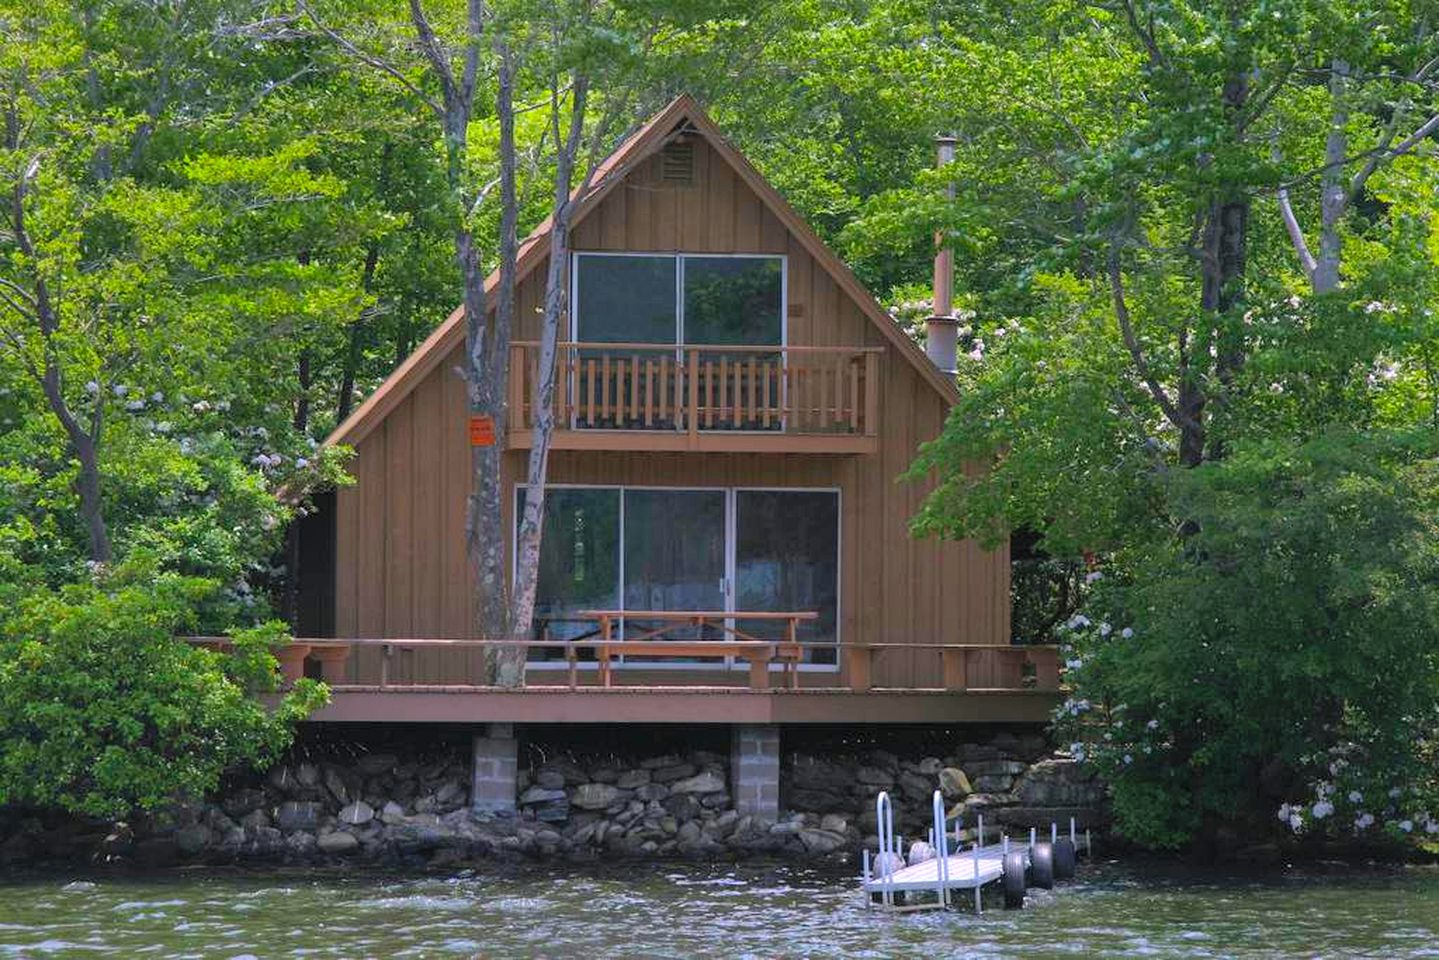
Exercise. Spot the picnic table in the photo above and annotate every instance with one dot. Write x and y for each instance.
(741, 644)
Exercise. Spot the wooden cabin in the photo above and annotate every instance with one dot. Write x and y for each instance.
(734, 413)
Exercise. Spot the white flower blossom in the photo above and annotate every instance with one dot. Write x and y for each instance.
(1104, 629)
(301, 463)
(1126, 633)
(1094, 576)
(1406, 825)
(1364, 821)
(92, 388)
(200, 406)
(135, 405)
(1128, 759)
(1284, 811)
(1296, 822)
(121, 389)
(1073, 664)
(1322, 809)
(1152, 725)
(1355, 796)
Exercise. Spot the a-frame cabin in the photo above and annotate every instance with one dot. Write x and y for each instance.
(734, 413)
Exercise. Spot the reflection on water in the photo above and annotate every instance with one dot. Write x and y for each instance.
(729, 911)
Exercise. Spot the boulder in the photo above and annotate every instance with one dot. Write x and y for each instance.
(392, 813)
(675, 771)
(357, 814)
(929, 766)
(919, 852)
(550, 779)
(596, 796)
(605, 774)
(954, 783)
(818, 841)
(683, 806)
(1059, 782)
(541, 794)
(450, 793)
(338, 844)
(374, 764)
(193, 839)
(339, 787)
(874, 777)
(706, 782)
(295, 815)
(993, 783)
(654, 763)
(308, 774)
(652, 791)
(631, 779)
(992, 768)
(834, 823)
(572, 772)
(301, 843)
(916, 786)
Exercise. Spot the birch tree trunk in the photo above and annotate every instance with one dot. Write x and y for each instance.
(555, 310)
(1333, 185)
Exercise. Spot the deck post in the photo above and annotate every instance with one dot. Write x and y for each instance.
(496, 770)
(754, 770)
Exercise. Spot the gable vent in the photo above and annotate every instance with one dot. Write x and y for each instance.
(677, 162)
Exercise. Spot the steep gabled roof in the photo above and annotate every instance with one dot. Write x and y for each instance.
(681, 113)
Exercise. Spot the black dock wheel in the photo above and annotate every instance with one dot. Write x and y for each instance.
(1014, 879)
(1041, 865)
(1063, 860)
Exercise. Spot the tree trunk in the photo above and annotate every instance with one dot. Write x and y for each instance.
(508, 662)
(1221, 291)
(1333, 193)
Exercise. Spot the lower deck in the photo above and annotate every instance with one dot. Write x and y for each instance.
(649, 704)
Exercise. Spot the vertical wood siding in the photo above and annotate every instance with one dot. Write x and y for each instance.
(401, 568)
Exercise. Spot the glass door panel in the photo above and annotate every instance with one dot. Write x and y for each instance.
(674, 555)
(579, 562)
(625, 299)
(787, 559)
(737, 301)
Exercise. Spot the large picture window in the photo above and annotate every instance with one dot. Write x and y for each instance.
(679, 298)
(641, 549)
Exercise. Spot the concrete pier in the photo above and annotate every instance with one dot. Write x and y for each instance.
(754, 770)
(496, 769)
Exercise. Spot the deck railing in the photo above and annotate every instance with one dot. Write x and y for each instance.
(962, 667)
(695, 389)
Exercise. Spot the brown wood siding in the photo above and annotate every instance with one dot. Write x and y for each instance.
(401, 568)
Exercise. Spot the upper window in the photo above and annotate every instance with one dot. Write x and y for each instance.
(679, 298)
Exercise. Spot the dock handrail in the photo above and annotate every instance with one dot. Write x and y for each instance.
(884, 817)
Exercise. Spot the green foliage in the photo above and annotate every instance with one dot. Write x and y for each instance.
(104, 711)
(1289, 645)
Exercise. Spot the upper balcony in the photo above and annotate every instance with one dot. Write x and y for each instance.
(718, 399)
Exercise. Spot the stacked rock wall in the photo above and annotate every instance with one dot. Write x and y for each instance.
(387, 803)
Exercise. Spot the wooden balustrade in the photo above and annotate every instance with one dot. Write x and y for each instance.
(962, 667)
(689, 389)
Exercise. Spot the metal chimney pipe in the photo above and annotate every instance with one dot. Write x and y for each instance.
(942, 328)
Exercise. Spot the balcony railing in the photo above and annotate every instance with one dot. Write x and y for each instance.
(702, 397)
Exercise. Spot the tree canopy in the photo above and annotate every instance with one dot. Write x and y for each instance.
(1195, 251)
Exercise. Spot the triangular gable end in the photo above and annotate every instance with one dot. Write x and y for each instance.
(682, 114)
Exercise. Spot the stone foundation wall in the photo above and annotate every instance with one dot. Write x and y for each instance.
(383, 806)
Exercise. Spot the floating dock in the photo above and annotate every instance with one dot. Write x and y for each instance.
(931, 868)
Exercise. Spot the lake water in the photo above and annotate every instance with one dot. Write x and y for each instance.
(720, 911)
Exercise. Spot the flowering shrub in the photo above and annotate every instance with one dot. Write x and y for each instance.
(1279, 657)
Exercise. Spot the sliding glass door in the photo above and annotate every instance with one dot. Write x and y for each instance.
(787, 558)
(640, 549)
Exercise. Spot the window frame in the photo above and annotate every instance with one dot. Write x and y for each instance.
(731, 545)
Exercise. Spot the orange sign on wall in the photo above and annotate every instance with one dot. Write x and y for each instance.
(482, 430)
